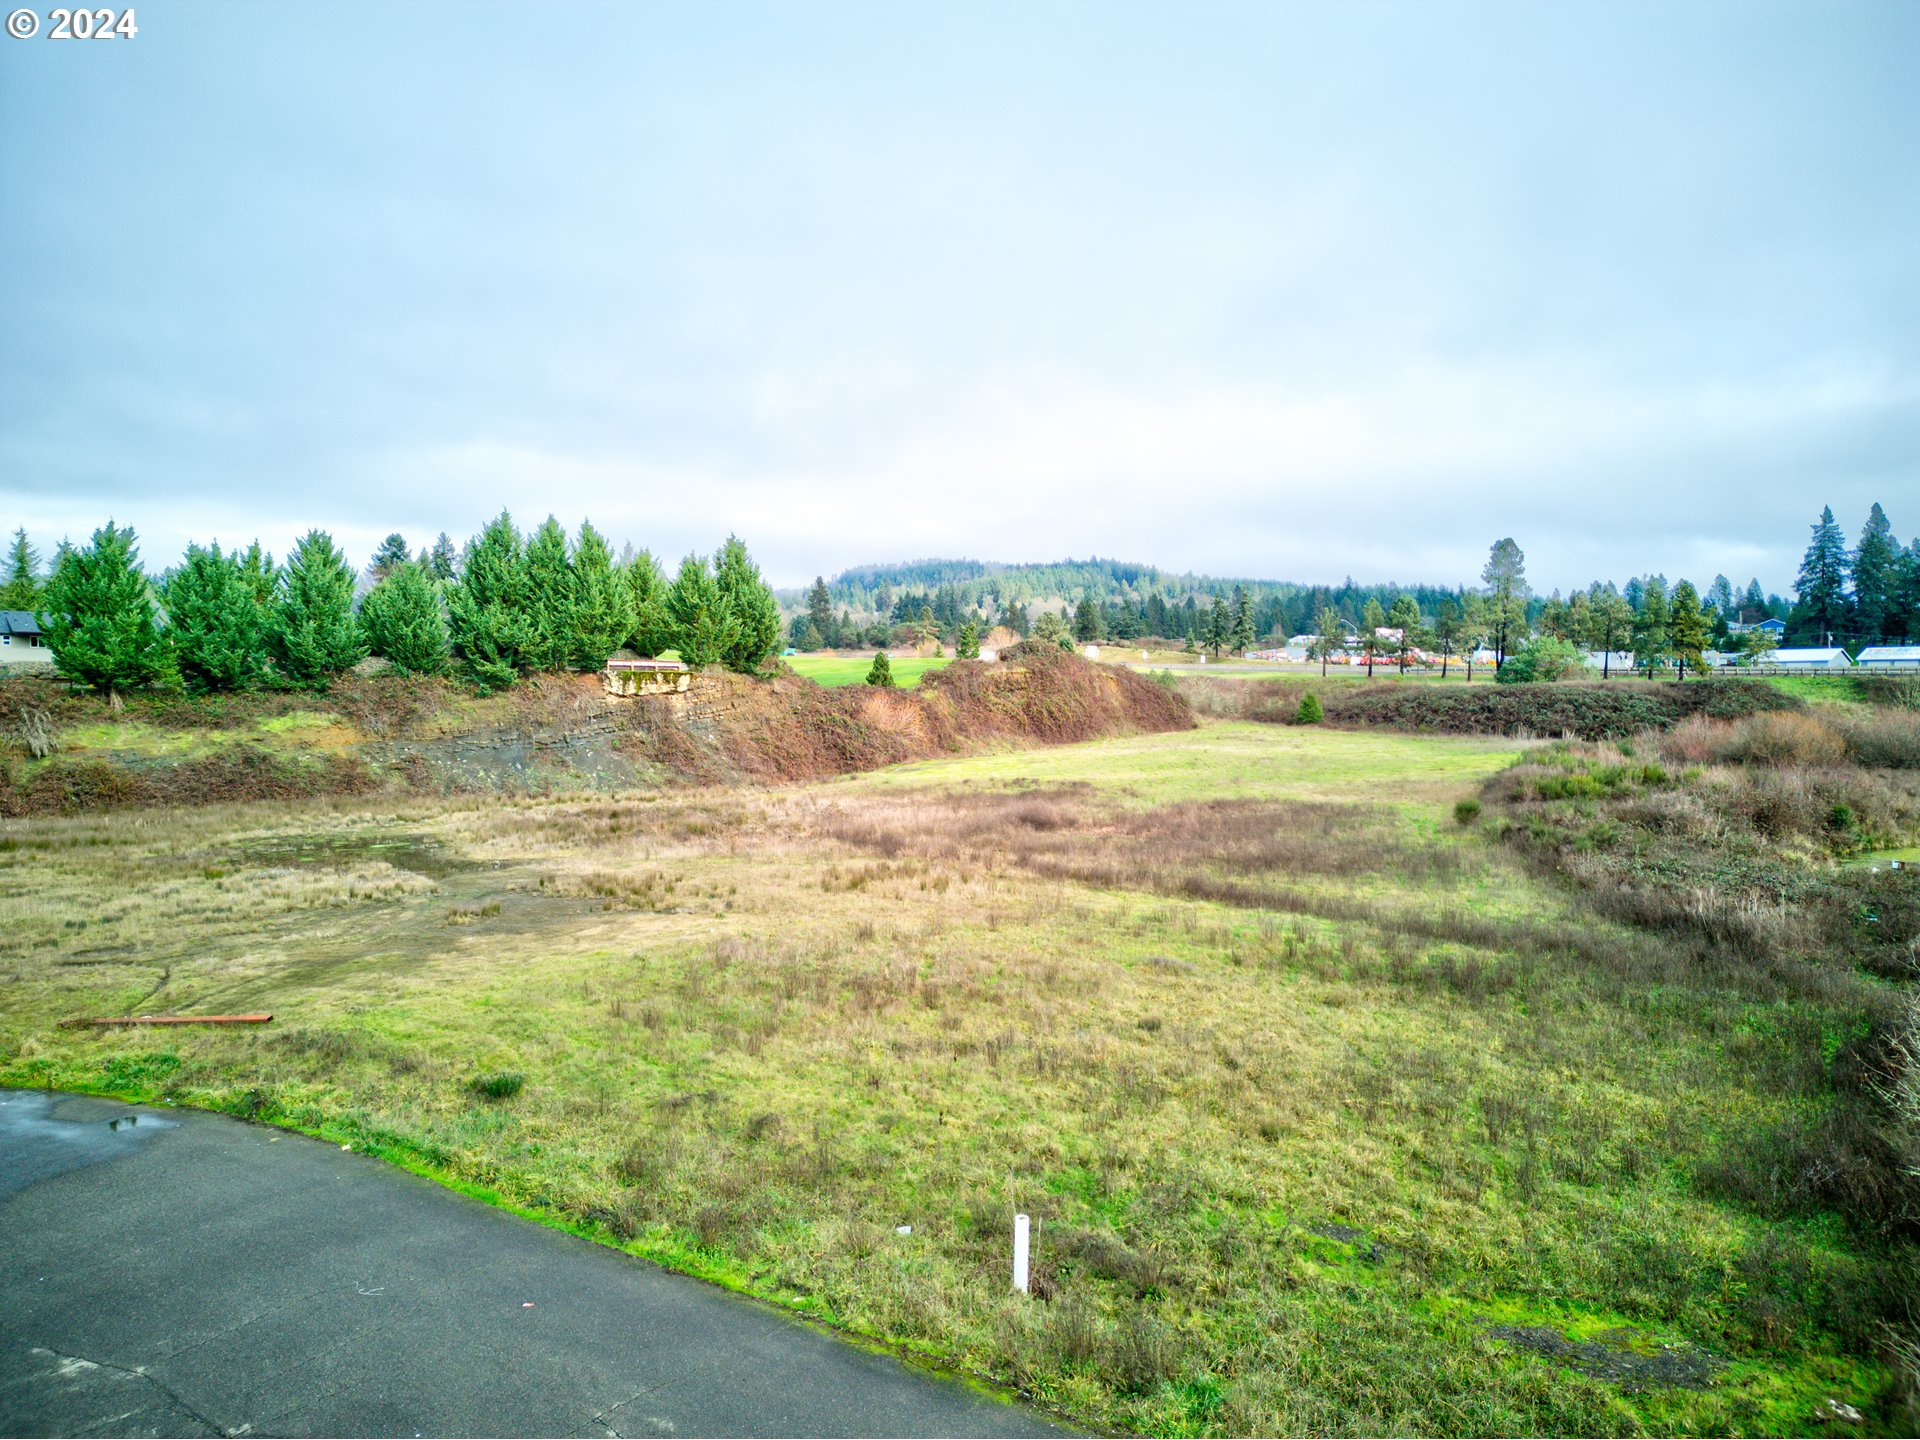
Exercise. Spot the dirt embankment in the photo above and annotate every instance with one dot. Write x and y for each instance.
(62, 753)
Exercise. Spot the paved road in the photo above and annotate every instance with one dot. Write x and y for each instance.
(192, 1275)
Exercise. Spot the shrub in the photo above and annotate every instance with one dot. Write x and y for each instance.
(503, 1085)
(1785, 740)
(1600, 710)
(1465, 812)
(1311, 712)
(881, 671)
(1885, 740)
(1543, 659)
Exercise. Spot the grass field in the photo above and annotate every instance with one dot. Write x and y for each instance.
(1332, 1117)
(852, 670)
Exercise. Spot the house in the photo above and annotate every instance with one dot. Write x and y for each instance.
(1775, 628)
(1889, 657)
(21, 640)
(1607, 661)
(1809, 658)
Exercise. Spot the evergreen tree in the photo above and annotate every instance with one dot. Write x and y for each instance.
(1505, 578)
(881, 671)
(820, 612)
(439, 561)
(1687, 628)
(652, 632)
(1720, 596)
(968, 645)
(262, 578)
(217, 629)
(1240, 623)
(549, 598)
(1903, 612)
(1086, 619)
(1876, 576)
(1330, 637)
(313, 634)
(1371, 621)
(1219, 626)
(1015, 618)
(22, 590)
(393, 552)
(1822, 584)
(99, 617)
(403, 622)
(1447, 627)
(801, 634)
(701, 627)
(601, 608)
(1609, 624)
(1652, 626)
(1753, 602)
(753, 615)
(486, 607)
(1405, 617)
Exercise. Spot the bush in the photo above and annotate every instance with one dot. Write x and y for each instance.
(880, 673)
(503, 1085)
(1465, 812)
(1600, 710)
(1544, 659)
(1885, 740)
(1311, 712)
(1785, 740)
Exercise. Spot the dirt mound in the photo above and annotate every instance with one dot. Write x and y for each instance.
(554, 733)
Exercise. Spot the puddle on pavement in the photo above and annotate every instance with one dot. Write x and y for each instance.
(419, 854)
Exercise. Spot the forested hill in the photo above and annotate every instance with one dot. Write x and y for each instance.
(990, 587)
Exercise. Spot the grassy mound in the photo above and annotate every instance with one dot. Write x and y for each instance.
(1599, 710)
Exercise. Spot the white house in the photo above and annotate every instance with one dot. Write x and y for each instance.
(1608, 661)
(1809, 659)
(21, 642)
(1889, 657)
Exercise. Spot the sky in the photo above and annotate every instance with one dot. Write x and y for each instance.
(1293, 291)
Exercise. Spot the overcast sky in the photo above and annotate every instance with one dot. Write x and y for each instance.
(1285, 290)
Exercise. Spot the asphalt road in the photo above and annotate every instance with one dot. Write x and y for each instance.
(177, 1273)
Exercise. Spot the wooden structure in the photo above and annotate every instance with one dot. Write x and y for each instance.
(646, 677)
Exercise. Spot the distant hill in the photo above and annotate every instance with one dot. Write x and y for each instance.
(989, 586)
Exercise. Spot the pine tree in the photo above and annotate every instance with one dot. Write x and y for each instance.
(549, 598)
(217, 628)
(1903, 613)
(1876, 576)
(22, 590)
(1219, 625)
(1240, 622)
(1371, 619)
(1505, 578)
(313, 634)
(1687, 628)
(701, 627)
(602, 607)
(1330, 637)
(403, 622)
(753, 615)
(1609, 624)
(99, 617)
(968, 645)
(1822, 584)
(820, 612)
(1720, 596)
(1652, 626)
(881, 671)
(1753, 602)
(652, 632)
(393, 552)
(439, 561)
(486, 607)
(262, 578)
(1404, 617)
(1086, 619)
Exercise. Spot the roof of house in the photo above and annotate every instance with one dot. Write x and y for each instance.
(19, 622)
(1808, 656)
(1906, 654)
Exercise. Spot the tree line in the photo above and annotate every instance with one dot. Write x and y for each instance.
(507, 606)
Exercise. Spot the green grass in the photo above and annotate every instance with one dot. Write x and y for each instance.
(1190, 1000)
(1239, 760)
(842, 670)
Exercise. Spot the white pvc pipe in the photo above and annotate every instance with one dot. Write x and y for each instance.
(1020, 1253)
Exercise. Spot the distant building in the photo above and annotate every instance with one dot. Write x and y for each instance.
(1775, 628)
(1821, 658)
(21, 640)
(1607, 660)
(1889, 657)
